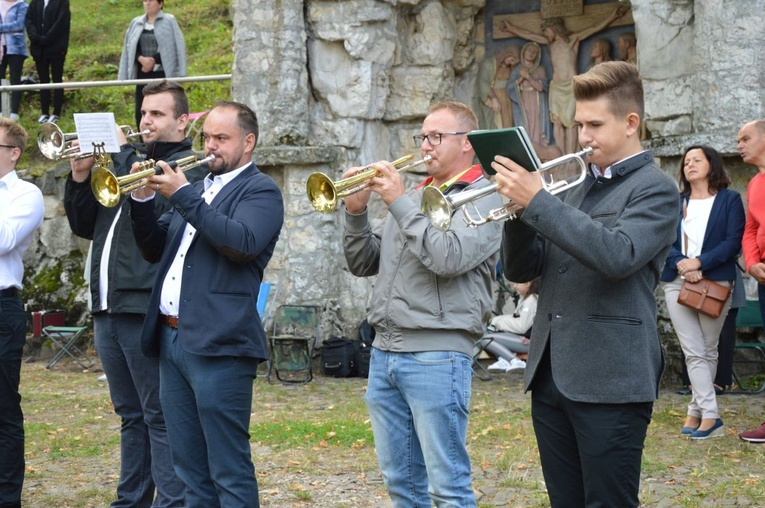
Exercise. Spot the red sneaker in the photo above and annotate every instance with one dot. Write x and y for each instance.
(754, 436)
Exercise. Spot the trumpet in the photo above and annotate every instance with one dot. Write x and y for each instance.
(57, 145)
(439, 208)
(108, 188)
(323, 193)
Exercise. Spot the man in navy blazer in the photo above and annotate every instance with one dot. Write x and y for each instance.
(202, 320)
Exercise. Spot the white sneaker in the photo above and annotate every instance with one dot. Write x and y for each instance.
(42, 119)
(14, 117)
(102, 377)
(516, 364)
(53, 119)
(500, 364)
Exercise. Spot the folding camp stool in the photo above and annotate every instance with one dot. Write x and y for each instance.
(65, 337)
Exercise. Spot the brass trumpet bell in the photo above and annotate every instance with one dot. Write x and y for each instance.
(323, 193)
(52, 141)
(107, 187)
(439, 208)
(57, 145)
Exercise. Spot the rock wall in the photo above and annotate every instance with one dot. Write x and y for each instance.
(338, 83)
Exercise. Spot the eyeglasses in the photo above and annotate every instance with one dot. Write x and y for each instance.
(434, 139)
(8, 146)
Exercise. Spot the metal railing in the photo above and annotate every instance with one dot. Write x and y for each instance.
(6, 88)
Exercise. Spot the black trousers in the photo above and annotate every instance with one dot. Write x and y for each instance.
(15, 64)
(590, 453)
(48, 67)
(13, 327)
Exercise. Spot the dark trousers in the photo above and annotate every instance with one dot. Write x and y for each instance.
(726, 348)
(146, 467)
(13, 328)
(590, 453)
(208, 402)
(48, 67)
(139, 93)
(15, 63)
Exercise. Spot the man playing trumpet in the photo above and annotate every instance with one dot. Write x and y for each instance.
(431, 301)
(595, 359)
(120, 285)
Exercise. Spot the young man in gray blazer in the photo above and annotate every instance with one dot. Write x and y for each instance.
(595, 359)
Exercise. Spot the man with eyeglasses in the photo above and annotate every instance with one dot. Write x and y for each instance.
(430, 303)
(21, 213)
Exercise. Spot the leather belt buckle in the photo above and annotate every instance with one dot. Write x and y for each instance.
(171, 321)
(9, 292)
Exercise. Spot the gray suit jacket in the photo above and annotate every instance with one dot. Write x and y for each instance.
(599, 251)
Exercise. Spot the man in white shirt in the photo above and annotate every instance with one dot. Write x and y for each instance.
(211, 249)
(21, 213)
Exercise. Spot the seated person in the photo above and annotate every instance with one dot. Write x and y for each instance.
(508, 334)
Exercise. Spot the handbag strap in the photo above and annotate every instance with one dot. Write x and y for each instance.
(682, 226)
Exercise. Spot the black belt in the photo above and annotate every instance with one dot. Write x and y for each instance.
(171, 321)
(9, 292)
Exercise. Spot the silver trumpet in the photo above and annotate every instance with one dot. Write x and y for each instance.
(439, 208)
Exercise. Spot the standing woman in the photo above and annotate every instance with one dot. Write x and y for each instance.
(48, 30)
(154, 48)
(13, 45)
(708, 240)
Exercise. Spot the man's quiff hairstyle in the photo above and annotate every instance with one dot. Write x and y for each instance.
(464, 114)
(619, 82)
(15, 134)
(180, 101)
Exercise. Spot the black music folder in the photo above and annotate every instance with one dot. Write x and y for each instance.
(512, 143)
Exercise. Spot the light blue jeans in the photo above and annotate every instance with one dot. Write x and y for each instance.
(418, 404)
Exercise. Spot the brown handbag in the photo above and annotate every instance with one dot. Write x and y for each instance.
(705, 296)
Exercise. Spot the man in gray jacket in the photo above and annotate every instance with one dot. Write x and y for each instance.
(430, 303)
(595, 359)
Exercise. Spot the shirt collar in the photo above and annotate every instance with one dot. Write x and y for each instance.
(225, 177)
(596, 171)
(467, 177)
(10, 179)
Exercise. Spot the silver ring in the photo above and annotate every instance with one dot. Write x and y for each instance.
(157, 186)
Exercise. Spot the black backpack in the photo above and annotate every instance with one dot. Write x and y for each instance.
(339, 357)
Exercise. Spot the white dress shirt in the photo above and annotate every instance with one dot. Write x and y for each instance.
(21, 212)
(171, 286)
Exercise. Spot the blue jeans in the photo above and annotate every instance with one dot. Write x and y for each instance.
(134, 389)
(208, 402)
(13, 328)
(418, 404)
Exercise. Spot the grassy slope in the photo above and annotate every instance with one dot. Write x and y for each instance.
(97, 33)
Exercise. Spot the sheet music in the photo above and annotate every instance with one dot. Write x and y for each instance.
(96, 128)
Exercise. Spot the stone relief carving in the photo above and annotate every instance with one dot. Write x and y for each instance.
(561, 38)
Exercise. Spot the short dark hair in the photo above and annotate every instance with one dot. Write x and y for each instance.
(15, 134)
(619, 82)
(247, 120)
(718, 177)
(180, 101)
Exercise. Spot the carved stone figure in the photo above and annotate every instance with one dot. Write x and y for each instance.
(627, 46)
(496, 109)
(601, 52)
(564, 51)
(527, 87)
